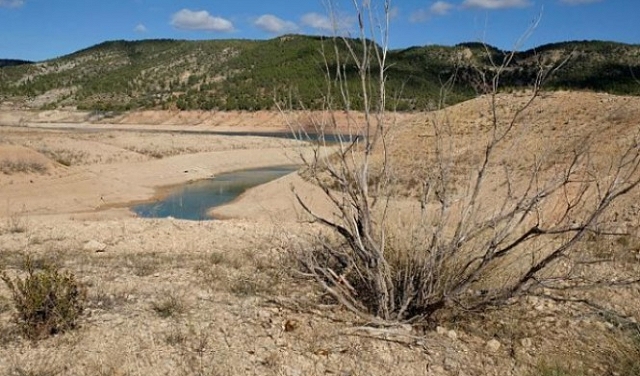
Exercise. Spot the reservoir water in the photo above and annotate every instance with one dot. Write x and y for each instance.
(194, 199)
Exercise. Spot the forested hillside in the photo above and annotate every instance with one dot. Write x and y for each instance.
(252, 75)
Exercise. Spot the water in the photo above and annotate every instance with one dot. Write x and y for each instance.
(193, 200)
(314, 137)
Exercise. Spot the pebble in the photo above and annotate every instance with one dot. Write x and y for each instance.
(493, 345)
(436, 370)
(450, 364)
(202, 295)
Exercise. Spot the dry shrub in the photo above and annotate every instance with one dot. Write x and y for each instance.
(47, 301)
(65, 157)
(491, 221)
(170, 305)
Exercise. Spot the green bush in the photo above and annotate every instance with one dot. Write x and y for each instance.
(47, 301)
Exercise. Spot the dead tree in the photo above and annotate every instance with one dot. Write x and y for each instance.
(486, 228)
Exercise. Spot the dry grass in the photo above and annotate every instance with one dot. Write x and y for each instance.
(66, 157)
(242, 273)
(169, 305)
(24, 166)
(211, 310)
(99, 298)
(614, 352)
(15, 224)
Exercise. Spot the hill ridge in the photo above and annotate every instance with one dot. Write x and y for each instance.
(243, 74)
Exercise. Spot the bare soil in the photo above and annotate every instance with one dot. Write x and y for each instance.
(173, 297)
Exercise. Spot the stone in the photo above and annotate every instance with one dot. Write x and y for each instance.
(291, 325)
(450, 364)
(290, 371)
(493, 345)
(452, 334)
(436, 370)
(94, 246)
(202, 295)
(526, 343)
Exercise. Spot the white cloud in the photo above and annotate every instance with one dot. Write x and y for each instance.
(320, 22)
(420, 15)
(496, 4)
(140, 28)
(394, 12)
(439, 8)
(275, 25)
(317, 21)
(578, 2)
(11, 3)
(200, 20)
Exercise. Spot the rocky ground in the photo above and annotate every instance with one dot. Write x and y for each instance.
(174, 297)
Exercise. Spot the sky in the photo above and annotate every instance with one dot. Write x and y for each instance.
(43, 29)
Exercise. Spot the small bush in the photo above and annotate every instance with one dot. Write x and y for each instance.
(47, 301)
(171, 305)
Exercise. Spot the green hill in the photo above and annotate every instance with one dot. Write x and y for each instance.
(252, 75)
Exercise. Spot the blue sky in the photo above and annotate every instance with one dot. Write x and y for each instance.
(43, 29)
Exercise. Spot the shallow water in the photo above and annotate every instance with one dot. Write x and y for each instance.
(302, 136)
(193, 200)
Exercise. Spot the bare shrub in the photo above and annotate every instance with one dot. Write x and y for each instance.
(492, 217)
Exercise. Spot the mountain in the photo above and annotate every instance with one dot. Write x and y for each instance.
(292, 69)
